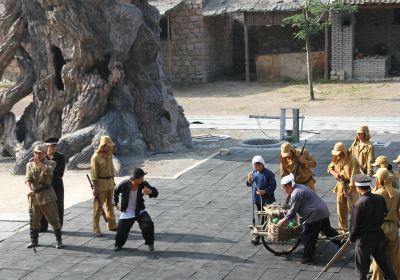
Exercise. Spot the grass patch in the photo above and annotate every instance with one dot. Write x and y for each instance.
(291, 81)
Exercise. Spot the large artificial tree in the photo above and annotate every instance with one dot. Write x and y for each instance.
(93, 67)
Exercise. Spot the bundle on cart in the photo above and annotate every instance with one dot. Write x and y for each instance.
(275, 232)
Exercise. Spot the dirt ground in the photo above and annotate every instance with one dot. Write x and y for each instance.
(241, 98)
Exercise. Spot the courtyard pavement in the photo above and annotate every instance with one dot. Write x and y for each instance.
(201, 221)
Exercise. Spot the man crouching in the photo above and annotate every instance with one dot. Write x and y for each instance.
(133, 209)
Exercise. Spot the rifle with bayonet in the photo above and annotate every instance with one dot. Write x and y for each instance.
(98, 200)
(335, 258)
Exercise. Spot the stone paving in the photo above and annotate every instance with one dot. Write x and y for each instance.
(202, 232)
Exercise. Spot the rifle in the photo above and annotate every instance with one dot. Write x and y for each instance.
(342, 179)
(335, 258)
(97, 200)
(296, 169)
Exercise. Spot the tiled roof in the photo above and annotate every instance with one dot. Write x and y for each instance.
(219, 7)
(165, 5)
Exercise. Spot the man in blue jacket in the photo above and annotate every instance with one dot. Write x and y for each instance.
(313, 214)
(133, 209)
(263, 182)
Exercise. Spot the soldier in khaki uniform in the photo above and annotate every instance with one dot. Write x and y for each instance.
(291, 159)
(102, 171)
(397, 161)
(343, 167)
(363, 150)
(383, 162)
(392, 198)
(42, 198)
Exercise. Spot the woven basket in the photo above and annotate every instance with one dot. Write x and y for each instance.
(281, 233)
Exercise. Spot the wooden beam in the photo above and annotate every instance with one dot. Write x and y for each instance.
(378, 6)
(246, 49)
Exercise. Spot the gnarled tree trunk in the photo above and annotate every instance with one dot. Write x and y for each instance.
(94, 68)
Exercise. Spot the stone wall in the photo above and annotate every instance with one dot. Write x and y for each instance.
(12, 72)
(200, 47)
(264, 40)
(275, 67)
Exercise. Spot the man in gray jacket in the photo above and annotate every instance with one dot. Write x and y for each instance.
(313, 213)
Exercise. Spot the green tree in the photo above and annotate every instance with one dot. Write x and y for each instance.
(314, 17)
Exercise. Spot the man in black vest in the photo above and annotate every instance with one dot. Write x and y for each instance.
(366, 230)
(133, 209)
(57, 182)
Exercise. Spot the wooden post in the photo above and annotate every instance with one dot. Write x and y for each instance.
(309, 61)
(169, 47)
(282, 129)
(326, 74)
(246, 49)
(296, 130)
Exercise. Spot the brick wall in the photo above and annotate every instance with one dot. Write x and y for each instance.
(200, 47)
(342, 46)
(371, 68)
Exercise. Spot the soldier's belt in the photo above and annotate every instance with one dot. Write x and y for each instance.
(305, 182)
(42, 188)
(105, 178)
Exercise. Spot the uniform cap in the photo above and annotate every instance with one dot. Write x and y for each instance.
(258, 159)
(397, 160)
(39, 149)
(362, 181)
(286, 148)
(364, 129)
(287, 179)
(52, 141)
(381, 160)
(338, 148)
(106, 140)
(383, 175)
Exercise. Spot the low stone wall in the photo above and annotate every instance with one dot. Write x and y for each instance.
(275, 67)
(371, 68)
(12, 72)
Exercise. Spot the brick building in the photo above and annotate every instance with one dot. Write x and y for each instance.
(195, 49)
(204, 40)
(366, 45)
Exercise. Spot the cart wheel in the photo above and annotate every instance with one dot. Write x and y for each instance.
(279, 248)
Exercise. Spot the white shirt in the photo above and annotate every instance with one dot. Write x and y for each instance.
(130, 211)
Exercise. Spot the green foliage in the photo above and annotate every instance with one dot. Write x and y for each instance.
(315, 16)
(291, 81)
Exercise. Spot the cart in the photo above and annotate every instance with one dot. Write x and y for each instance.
(279, 240)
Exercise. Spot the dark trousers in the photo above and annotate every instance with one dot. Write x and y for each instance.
(59, 190)
(310, 235)
(373, 244)
(145, 224)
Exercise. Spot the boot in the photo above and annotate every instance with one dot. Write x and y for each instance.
(34, 239)
(57, 233)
